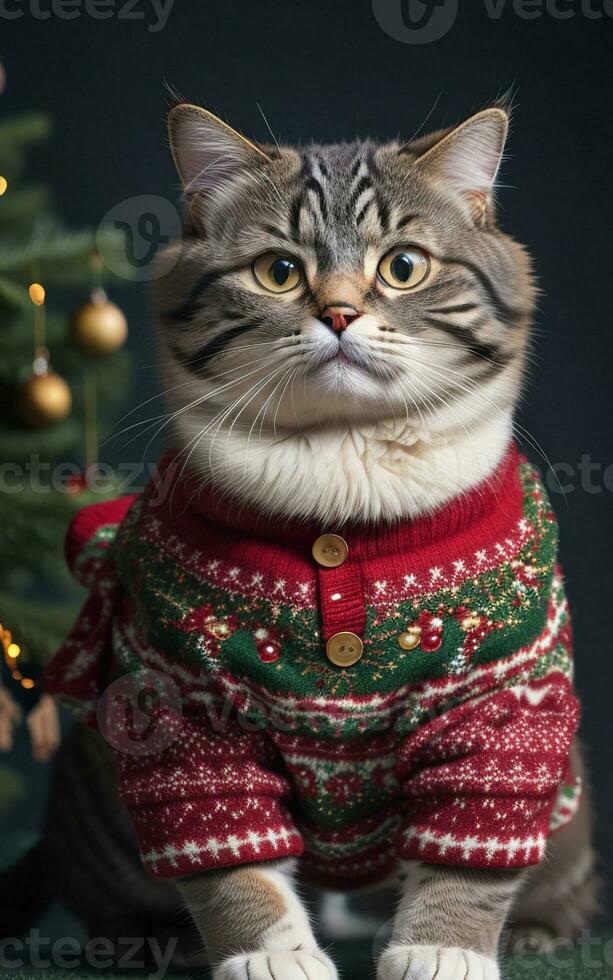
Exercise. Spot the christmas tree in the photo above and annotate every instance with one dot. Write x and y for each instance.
(55, 370)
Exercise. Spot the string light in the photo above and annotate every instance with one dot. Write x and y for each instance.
(12, 652)
(3, 185)
(37, 293)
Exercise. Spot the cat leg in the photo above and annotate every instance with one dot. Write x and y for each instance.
(448, 923)
(254, 926)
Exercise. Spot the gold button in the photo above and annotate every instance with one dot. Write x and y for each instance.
(330, 550)
(344, 649)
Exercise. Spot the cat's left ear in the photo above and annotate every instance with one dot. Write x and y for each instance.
(207, 152)
(466, 159)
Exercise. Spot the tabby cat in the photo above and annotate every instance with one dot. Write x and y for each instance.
(343, 338)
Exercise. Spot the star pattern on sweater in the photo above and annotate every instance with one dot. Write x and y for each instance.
(461, 763)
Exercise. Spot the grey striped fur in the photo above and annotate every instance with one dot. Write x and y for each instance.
(453, 348)
(331, 206)
(238, 359)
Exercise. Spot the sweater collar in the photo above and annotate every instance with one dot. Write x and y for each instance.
(488, 510)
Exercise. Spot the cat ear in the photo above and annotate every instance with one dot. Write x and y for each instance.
(207, 152)
(466, 159)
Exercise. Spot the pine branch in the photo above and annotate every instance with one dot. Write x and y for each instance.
(35, 246)
(35, 511)
(16, 329)
(56, 256)
(13, 295)
(39, 628)
(21, 207)
(31, 127)
(17, 135)
(62, 441)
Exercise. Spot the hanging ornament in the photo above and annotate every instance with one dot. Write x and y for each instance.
(410, 638)
(44, 398)
(3, 185)
(99, 327)
(76, 484)
(426, 632)
(267, 644)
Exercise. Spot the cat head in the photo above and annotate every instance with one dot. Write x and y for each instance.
(342, 284)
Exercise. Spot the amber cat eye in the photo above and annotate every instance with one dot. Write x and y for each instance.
(404, 268)
(277, 273)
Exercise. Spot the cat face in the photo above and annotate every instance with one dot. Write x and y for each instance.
(342, 284)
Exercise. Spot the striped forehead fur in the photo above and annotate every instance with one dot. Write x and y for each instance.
(250, 370)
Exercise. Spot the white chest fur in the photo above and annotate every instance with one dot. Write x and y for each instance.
(378, 472)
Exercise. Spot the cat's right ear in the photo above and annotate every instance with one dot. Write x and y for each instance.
(465, 159)
(207, 152)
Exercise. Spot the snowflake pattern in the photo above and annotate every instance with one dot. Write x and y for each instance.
(447, 742)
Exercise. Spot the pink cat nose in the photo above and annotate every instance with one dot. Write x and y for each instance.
(339, 316)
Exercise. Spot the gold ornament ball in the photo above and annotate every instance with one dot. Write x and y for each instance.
(99, 328)
(410, 639)
(45, 398)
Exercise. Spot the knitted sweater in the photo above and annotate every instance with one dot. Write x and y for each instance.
(201, 653)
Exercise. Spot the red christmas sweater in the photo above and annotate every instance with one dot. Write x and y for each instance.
(201, 654)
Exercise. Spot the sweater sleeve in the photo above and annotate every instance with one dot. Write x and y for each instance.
(90, 535)
(207, 800)
(483, 779)
(78, 672)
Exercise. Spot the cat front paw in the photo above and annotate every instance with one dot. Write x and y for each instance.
(404, 962)
(297, 964)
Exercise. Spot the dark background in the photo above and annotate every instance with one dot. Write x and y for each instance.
(327, 71)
